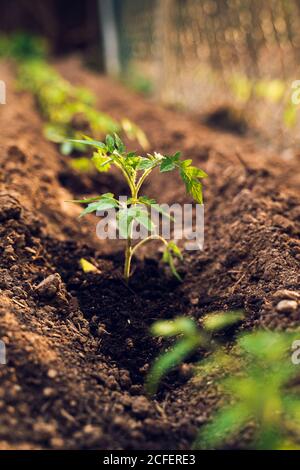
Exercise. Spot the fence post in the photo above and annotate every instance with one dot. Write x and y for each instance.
(163, 48)
(109, 33)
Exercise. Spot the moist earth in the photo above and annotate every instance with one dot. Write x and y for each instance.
(78, 345)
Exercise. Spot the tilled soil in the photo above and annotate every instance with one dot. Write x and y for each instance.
(78, 345)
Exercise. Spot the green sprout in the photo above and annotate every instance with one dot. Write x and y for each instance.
(191, 339)
(136, 169)
(258, 373)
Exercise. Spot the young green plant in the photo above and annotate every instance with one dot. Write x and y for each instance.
(258, 376)
(135, 170)
(190, 338)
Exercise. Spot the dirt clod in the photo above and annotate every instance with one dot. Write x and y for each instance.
(287, 306)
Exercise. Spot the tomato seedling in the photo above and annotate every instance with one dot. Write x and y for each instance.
(136, 169)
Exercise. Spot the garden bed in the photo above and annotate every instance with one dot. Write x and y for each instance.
(78, 345)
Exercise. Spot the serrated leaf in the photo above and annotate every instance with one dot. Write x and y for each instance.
(193, 186)
(144, 164)
(102, 205)
(131, 155)
(110, 143)
(167, 165)
(119, 144)
(93, 143)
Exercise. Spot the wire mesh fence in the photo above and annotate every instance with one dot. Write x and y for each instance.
(204, 53)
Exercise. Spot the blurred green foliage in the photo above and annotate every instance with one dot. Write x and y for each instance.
(256, 380)
(255, 377)
(69, 111)
(190, 339)
(22, 46)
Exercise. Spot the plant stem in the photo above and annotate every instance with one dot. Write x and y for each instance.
(129, 249)
(128, 257)
(151, 237)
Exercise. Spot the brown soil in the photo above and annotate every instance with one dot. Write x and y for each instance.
(78, 345)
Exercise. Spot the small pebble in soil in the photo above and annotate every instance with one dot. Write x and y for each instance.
(48, 392)
(57, 442)
(129, 343)
(125, 380)
(287, 306)
(144, 369)
(52, 373)
(95, 431)
(49, 286)
(186, 371)
(44, 430)
(140, 407)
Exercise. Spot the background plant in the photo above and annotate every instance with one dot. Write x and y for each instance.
(69, 111)
(257, 383)
(136, 169)
(255, 377)
(191, 338)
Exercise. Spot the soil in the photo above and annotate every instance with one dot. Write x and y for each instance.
(78, 345)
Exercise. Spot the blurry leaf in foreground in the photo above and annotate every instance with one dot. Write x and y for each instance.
(221, 320)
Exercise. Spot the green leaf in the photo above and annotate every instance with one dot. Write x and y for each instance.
(224, 425)
(102, 205)
(92, 199)
(110, 143)
(172, 248)
(134, 132)
(181, 325)
(144, 164)
(167, 165)
(220, 320)
(266, 345)
(93, 143)
(153, 204)
(119, 144)
(175, 249)
(66, 148)
(143, 219)
(191, 175)
(146, 200)
(82, 164)
(101, 162)
(54, 133)
(169, 360)
(131, 155)
(124, 220)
